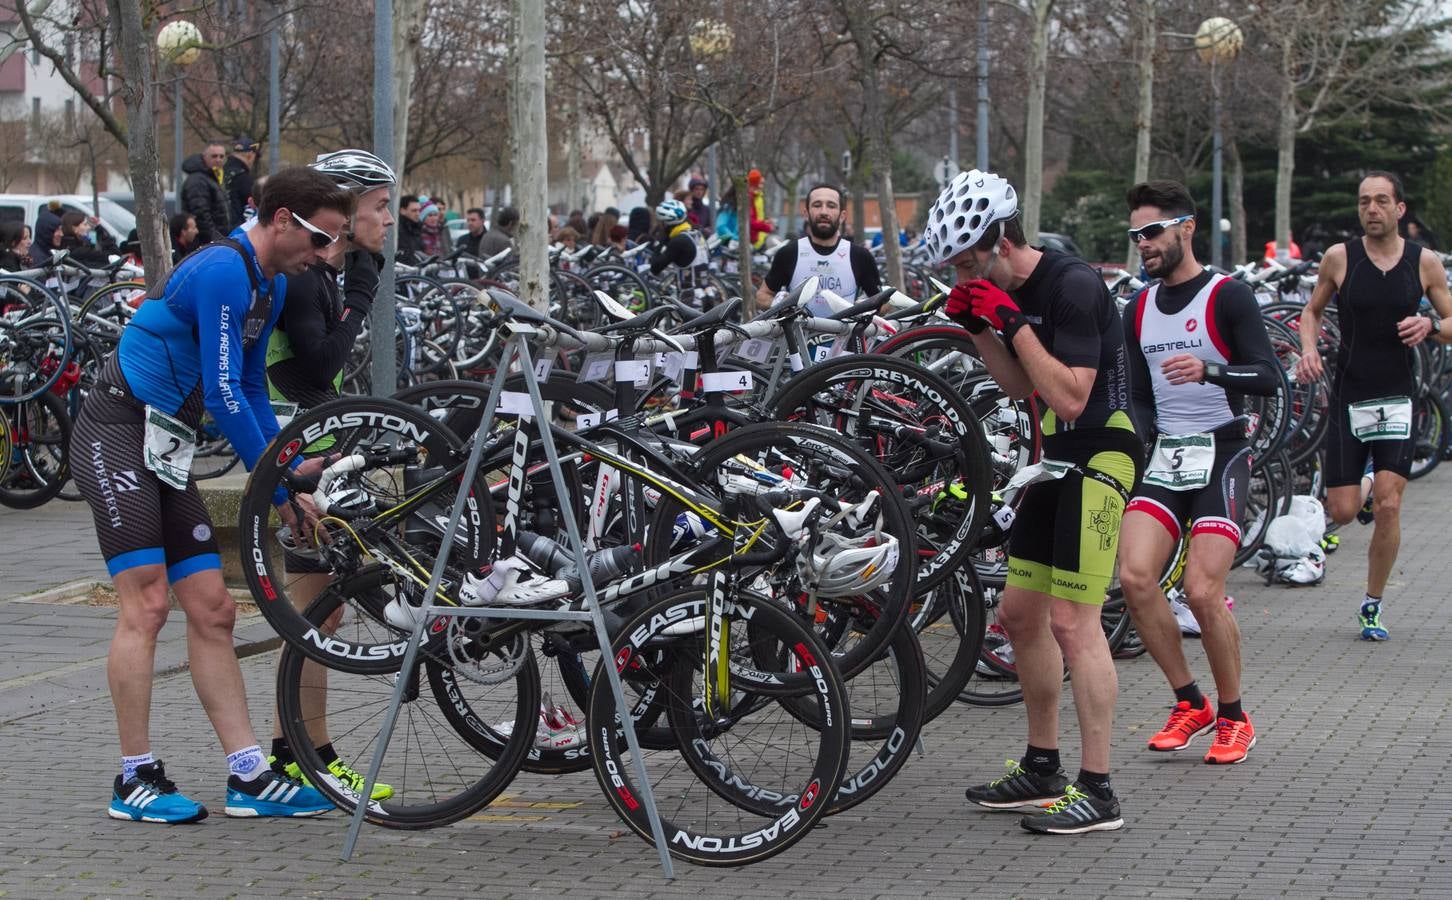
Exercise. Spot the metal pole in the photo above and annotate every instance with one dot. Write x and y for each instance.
(982, 127)
(953, 130)
(383, 371)
(176, 169)
(274, 98)
(1217, 256)
(711, 190)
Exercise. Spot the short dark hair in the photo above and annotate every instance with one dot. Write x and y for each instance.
(10, 234)
(406, 199)
(841, 195)
(69, 220)
(1396, 182)
(178, 223)
(1170, 197)
(474, 210)
(507, 217)
(304, 191)
(1012, 229)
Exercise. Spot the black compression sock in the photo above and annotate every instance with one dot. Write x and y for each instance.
(1231, 711)
(1190, 693)
(1097, 784)
(282, 752)
(1041, 760)
(327, 753)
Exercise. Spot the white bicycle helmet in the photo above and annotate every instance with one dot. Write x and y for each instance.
(962, 213)
(670, 212)
(355, 170)
(839, 566)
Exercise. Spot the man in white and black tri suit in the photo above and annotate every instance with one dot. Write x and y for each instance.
(1379, 281)
(842, 267)
(1196, 344)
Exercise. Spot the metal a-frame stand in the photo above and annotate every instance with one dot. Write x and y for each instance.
(516, 349)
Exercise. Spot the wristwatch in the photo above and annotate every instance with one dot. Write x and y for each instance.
(1212, 370)
(1436, 323)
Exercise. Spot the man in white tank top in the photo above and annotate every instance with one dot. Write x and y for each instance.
(842, 267)
(1196, 343)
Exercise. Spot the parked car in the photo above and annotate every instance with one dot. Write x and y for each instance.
(1061, 242)
(128, 200)
(117, 219)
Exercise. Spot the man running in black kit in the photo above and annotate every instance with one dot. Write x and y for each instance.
(1380, 280)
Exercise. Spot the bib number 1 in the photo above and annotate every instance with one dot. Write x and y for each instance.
(169, 445)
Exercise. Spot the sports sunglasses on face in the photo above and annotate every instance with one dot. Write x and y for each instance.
(319, 237)
(1155, 229)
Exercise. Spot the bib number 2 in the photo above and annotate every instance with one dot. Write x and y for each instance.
(168, 449)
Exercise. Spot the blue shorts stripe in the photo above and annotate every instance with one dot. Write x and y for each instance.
(191, 566)
(132, 559)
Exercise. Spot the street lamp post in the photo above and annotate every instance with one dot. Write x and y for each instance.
(1217, 41)
(180, 43)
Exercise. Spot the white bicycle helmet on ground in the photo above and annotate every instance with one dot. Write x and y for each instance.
(355, 170)
(670, 212)
(962, 213)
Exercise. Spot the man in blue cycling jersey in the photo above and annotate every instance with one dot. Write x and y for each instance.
(198, 344)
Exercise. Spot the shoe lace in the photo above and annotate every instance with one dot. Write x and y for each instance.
(1226, 731)
(157, 779)
(1071, 796)
(346, 773)
(1179, 717)
(1014, 769)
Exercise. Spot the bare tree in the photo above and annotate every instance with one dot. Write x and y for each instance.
(133, 45)
(531, 149)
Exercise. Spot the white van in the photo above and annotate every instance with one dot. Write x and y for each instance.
(25, 208)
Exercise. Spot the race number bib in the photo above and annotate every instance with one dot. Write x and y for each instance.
(1181, 463)
(168, 448)
(1386, 419)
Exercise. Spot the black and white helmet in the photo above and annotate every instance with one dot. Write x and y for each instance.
(963, 211)
(355, 170)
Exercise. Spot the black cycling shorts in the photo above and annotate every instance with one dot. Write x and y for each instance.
(139, 520)
(1347, 455)
(1216, 508)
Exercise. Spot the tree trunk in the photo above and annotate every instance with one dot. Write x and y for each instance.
(531, 152)
(1033, 152)
(573, 189)
(743, 229)
(879, 136)
(859, 206)
(1285, 154)
(1144, 119)
(1238, 254)
(133, 44)
(408, 23)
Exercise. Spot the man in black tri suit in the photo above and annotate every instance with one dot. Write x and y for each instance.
(1043, 323)
(841, 266)
(1196, 343)
(1380, 279)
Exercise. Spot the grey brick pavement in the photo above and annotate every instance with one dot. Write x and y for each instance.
(1342, 797)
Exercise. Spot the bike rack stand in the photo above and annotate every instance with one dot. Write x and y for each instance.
(516, 349)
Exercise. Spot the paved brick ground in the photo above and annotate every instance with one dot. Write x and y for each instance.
(1343, 796)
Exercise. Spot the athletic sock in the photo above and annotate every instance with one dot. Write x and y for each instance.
(282, 752)
(1097, 783)
(1190, 693)
(1231, 711)
(129, 764)
(328, 754)
(248, 763)
(1370, 600)
(1041, 760)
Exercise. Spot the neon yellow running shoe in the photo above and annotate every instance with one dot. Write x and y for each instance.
(345, 776)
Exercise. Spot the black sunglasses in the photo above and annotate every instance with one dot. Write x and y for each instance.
(1155, 229)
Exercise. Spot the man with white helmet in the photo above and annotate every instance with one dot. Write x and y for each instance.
(684, 247)
(317, 331)
(1044, 323)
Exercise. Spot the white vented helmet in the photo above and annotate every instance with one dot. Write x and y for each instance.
(839, 566)
(355, 170)
(671, 212)
(963, 211)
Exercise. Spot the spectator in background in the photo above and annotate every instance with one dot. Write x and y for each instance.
(600, 235)
(254, 200)
(76, 241)
(183, 227)
(569, 238)
(726, 221)
(410, 229)
(46, 226)
(577, 222)
(697, 210)
(202, 194)
(433, 236)
(617, 237)
(237, 179)
(638, 226)
(501, 236)
(14, 246)
(469, 242)
(1419, 232)
(1271, 251)
(761, 226)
